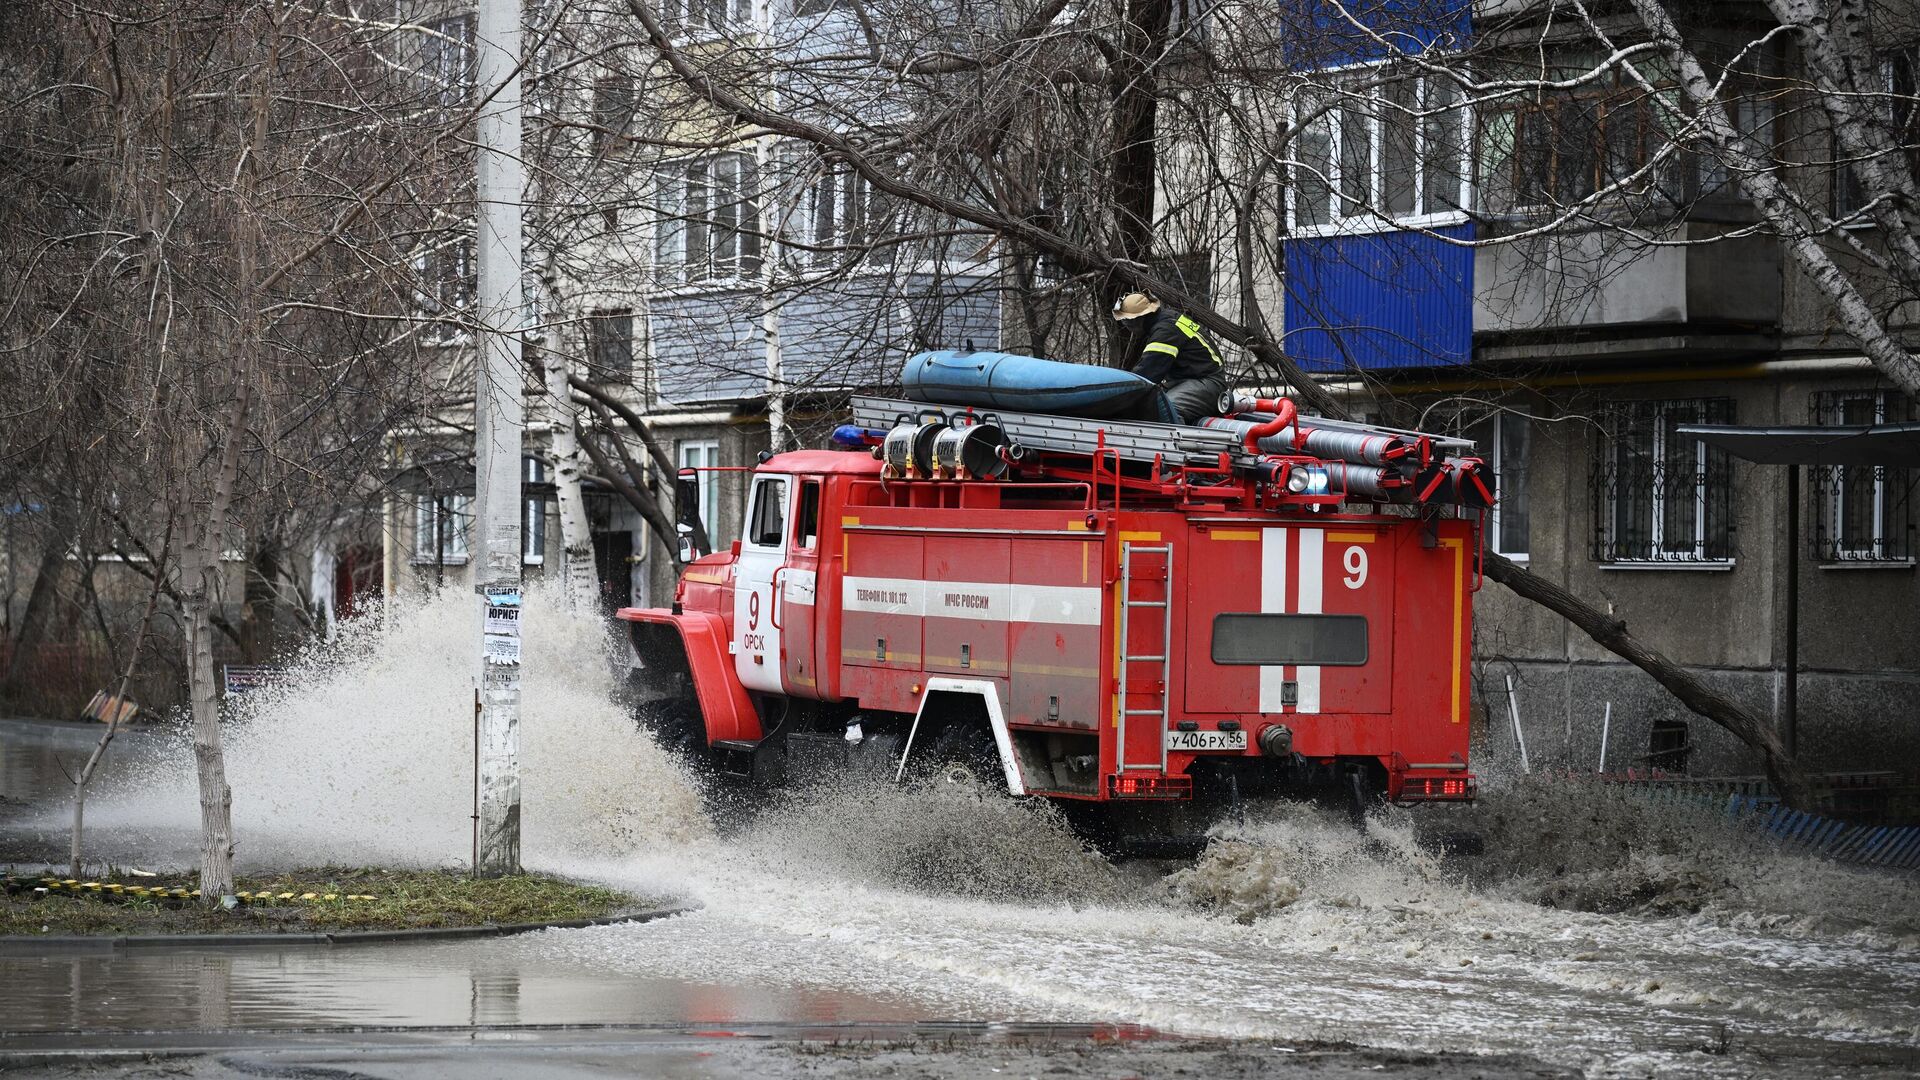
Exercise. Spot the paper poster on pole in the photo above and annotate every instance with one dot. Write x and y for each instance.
(500, 629)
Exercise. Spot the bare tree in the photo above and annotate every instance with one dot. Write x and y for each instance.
(207, 260)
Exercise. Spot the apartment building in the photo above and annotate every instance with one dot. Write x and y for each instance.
(1552, 276)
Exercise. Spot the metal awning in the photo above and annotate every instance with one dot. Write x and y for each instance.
(1858, 445)
(1872, 444)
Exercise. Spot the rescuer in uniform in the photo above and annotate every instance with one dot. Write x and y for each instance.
(1171, 352)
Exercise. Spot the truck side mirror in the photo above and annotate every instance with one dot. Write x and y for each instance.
(686, 497)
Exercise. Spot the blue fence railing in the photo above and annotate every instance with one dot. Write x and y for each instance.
(1751, 800)
(1893, 846)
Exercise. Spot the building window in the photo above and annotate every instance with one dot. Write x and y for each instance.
(1365, 156)
(445, 517)
(1660, 497)
(807, 9)
(446, 60)
(706, 18)
(1862, 513)
(610, 345)
(533, 516)
(449, 277)
(613, 110)
(1900, 76)
(1505, 443)
(1559, 147)
(1189, 21)
(710, 221)
(705, 454)
(836, 216)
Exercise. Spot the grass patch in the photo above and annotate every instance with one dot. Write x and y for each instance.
(403, 900)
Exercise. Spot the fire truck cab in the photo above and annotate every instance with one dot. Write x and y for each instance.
(1101, 626)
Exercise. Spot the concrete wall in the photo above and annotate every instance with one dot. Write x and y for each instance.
(1848, 720)
(1860, 628)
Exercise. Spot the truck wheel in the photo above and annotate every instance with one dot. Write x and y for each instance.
(967, 752)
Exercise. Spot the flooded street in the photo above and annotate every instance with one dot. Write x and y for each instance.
(1597, 934)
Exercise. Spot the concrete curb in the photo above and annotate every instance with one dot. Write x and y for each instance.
(22, 945)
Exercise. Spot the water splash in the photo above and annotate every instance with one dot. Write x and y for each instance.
(1548, 843)
(940, 836)
(1607, 848)
(363, 751)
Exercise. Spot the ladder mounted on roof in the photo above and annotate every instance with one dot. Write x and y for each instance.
(1299, 460)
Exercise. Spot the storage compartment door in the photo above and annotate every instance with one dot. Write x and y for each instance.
(1289, 619)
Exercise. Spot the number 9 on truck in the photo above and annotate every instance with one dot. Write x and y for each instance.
(1355, 561)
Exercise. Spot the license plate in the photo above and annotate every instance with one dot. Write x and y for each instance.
(1206, 740)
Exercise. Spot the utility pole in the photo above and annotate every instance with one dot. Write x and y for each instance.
(499, 422)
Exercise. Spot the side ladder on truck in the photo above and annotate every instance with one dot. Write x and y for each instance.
(1144, 568)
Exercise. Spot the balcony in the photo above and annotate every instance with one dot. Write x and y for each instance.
(1606, 293)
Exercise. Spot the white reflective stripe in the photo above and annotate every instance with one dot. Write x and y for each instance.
(1313, 548)
(1273, 598)
(987, 601)
(1070, 604)
(969, 600)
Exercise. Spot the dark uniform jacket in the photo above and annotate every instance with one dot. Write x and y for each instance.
(1172, 350)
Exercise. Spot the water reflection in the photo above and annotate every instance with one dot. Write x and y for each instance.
(453, 984)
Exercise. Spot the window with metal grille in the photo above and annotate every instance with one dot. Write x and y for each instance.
(1862, 513)
(1504, 442)
(1660, 497)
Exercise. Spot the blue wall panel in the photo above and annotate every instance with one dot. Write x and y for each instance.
(1316, 34)
(1381, 300)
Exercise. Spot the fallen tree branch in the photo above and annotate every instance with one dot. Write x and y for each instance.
(1612, 634)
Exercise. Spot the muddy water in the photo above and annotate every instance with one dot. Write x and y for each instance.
(1294, 927)
(1597, 932)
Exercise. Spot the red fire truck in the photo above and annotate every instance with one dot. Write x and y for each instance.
(1110, 612)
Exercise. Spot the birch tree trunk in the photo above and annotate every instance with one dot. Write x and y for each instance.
(578, 580)
(200, 589)
(1835, 37)
(1770, 195)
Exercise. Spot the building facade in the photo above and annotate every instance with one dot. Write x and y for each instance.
(1555, 276)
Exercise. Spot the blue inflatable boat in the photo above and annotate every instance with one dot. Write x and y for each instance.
(997, 380)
